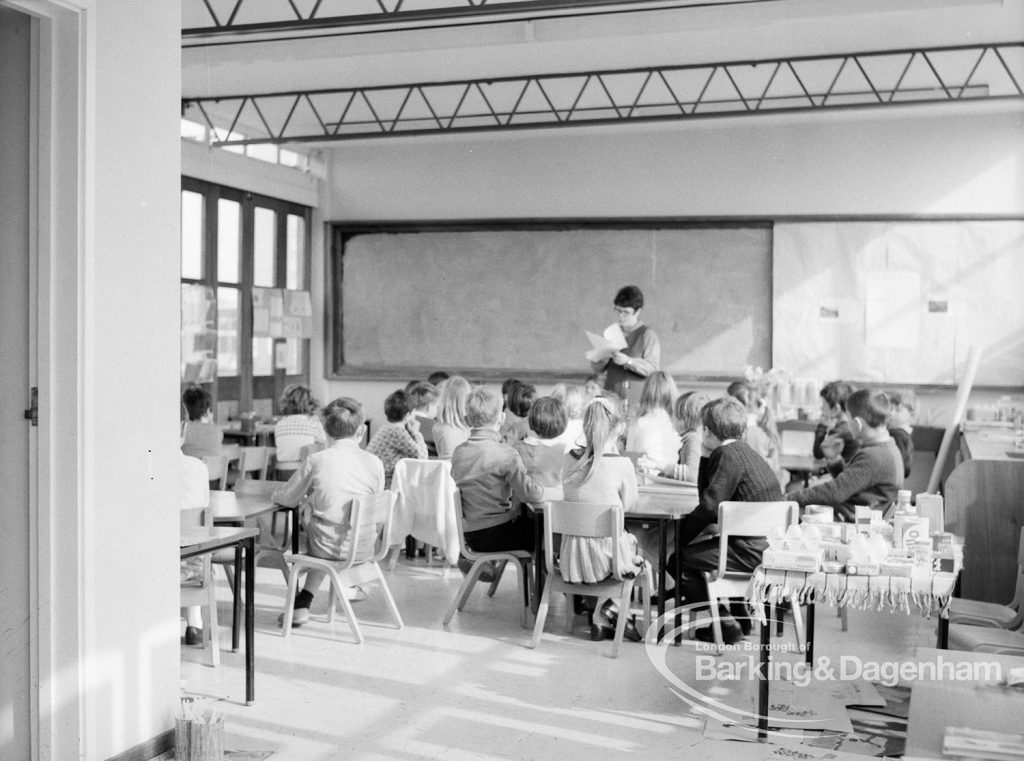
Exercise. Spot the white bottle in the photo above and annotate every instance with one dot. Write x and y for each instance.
(903, 510)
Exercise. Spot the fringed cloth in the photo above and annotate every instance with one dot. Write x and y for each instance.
(929, 592)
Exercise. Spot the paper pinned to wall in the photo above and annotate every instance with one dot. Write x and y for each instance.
(892, 313)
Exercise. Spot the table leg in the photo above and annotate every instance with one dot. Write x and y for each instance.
(762, 676)
(809, 653)
(678, 543)
(295, 531)
(236, 600)
(662, 562)
(250, 619)
(943, 643)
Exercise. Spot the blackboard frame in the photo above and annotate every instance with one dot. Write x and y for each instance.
(341, 232)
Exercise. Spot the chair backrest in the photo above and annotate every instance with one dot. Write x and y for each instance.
(751, 519)
(582, 519)
(424, 490)
(253, 460)
(217, 464)
(368, 527)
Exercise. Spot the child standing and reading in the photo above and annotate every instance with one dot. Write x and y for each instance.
(329, 480)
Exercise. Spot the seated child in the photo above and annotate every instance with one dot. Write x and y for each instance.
(424, 399)
(437, 377)
(399, 437)
(598, 474)
(730, 471)
(450, 427)
(573, 399)
(874, 474)
(542, 451)
(592, 387)
(201, 437)
(299, 426)
(492, 480)
(832, 437)
(761, 434)
(329, 480)
(517, 406)
(902, 414)
(687, 419)
(653, 434)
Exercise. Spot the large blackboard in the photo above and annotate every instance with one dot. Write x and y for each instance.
(517, 300)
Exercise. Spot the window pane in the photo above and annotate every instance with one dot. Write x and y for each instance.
(264, 238)
(229, 230)
(263, 356)
(263, 152)
(294, 353)
(191, 235)
(228, 320)
(295, 262)
(290, 158)
(193, 131)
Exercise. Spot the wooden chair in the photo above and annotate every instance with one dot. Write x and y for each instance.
(218, 466)
(425, 507)
(253, 462)
(992, 614)
(522, 559)
(368, 531)
(202, 591)
(745, 519)
(986, 639)
(267, 552)
(598, 522)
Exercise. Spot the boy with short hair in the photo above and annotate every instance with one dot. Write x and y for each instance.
(832, 438)
(400, 436)
(730, 471)
(492, 480)
(874, 474)
(515, 428)
(329, 480)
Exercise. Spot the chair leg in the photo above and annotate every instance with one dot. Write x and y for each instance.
(211, 632)
(716, 624)
(332, 601)
(339, 592)
(464, 591)
(620, 623)
(646, 593)
(289, 600)
(798, 624)
(388, 598)
(542, 614)
(522, 578)
(844, 622)
(570, 614)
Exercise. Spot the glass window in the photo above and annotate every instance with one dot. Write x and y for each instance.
(262, 355)
(228, 321)
(229, 233)
(263, 152)
(293, 356)
(295, 253)
(290, 158)
(263, 244)
(191, 235)
(193, 131)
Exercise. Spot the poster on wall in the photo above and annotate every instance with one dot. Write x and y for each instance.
(297, 321)
(909, 300)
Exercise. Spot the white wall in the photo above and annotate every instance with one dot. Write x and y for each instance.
(130, 345)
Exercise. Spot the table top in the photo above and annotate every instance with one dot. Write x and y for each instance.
(253, 501)
(201, 539)
(992, 444)
(802, 463)
(673, 502)
(972, 699)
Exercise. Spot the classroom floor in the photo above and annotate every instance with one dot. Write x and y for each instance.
(475, 691)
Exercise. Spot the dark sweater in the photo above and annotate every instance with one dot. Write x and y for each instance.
(733, 473)
(905, 443)
(872, 477)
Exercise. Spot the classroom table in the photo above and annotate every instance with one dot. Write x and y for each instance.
(803, 466)
(976, 701)
(660, 504)
(205, 540)
(261, 433)
(929, 592)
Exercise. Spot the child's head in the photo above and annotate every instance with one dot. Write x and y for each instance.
(343, 418)
(197, 402)
(437, 378)
(506, 387)
(659, 392)
(398, 406)
(745, 393)
(602, 423)
(483, 408)
(833, 397)
(548, 417)
(423, 395)
(591, 387)
(451, 404)
(868, 406)
(903, 408)
(687, 411)
(571, 397)
(297, 400)
(724, 418)
(519, 399)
